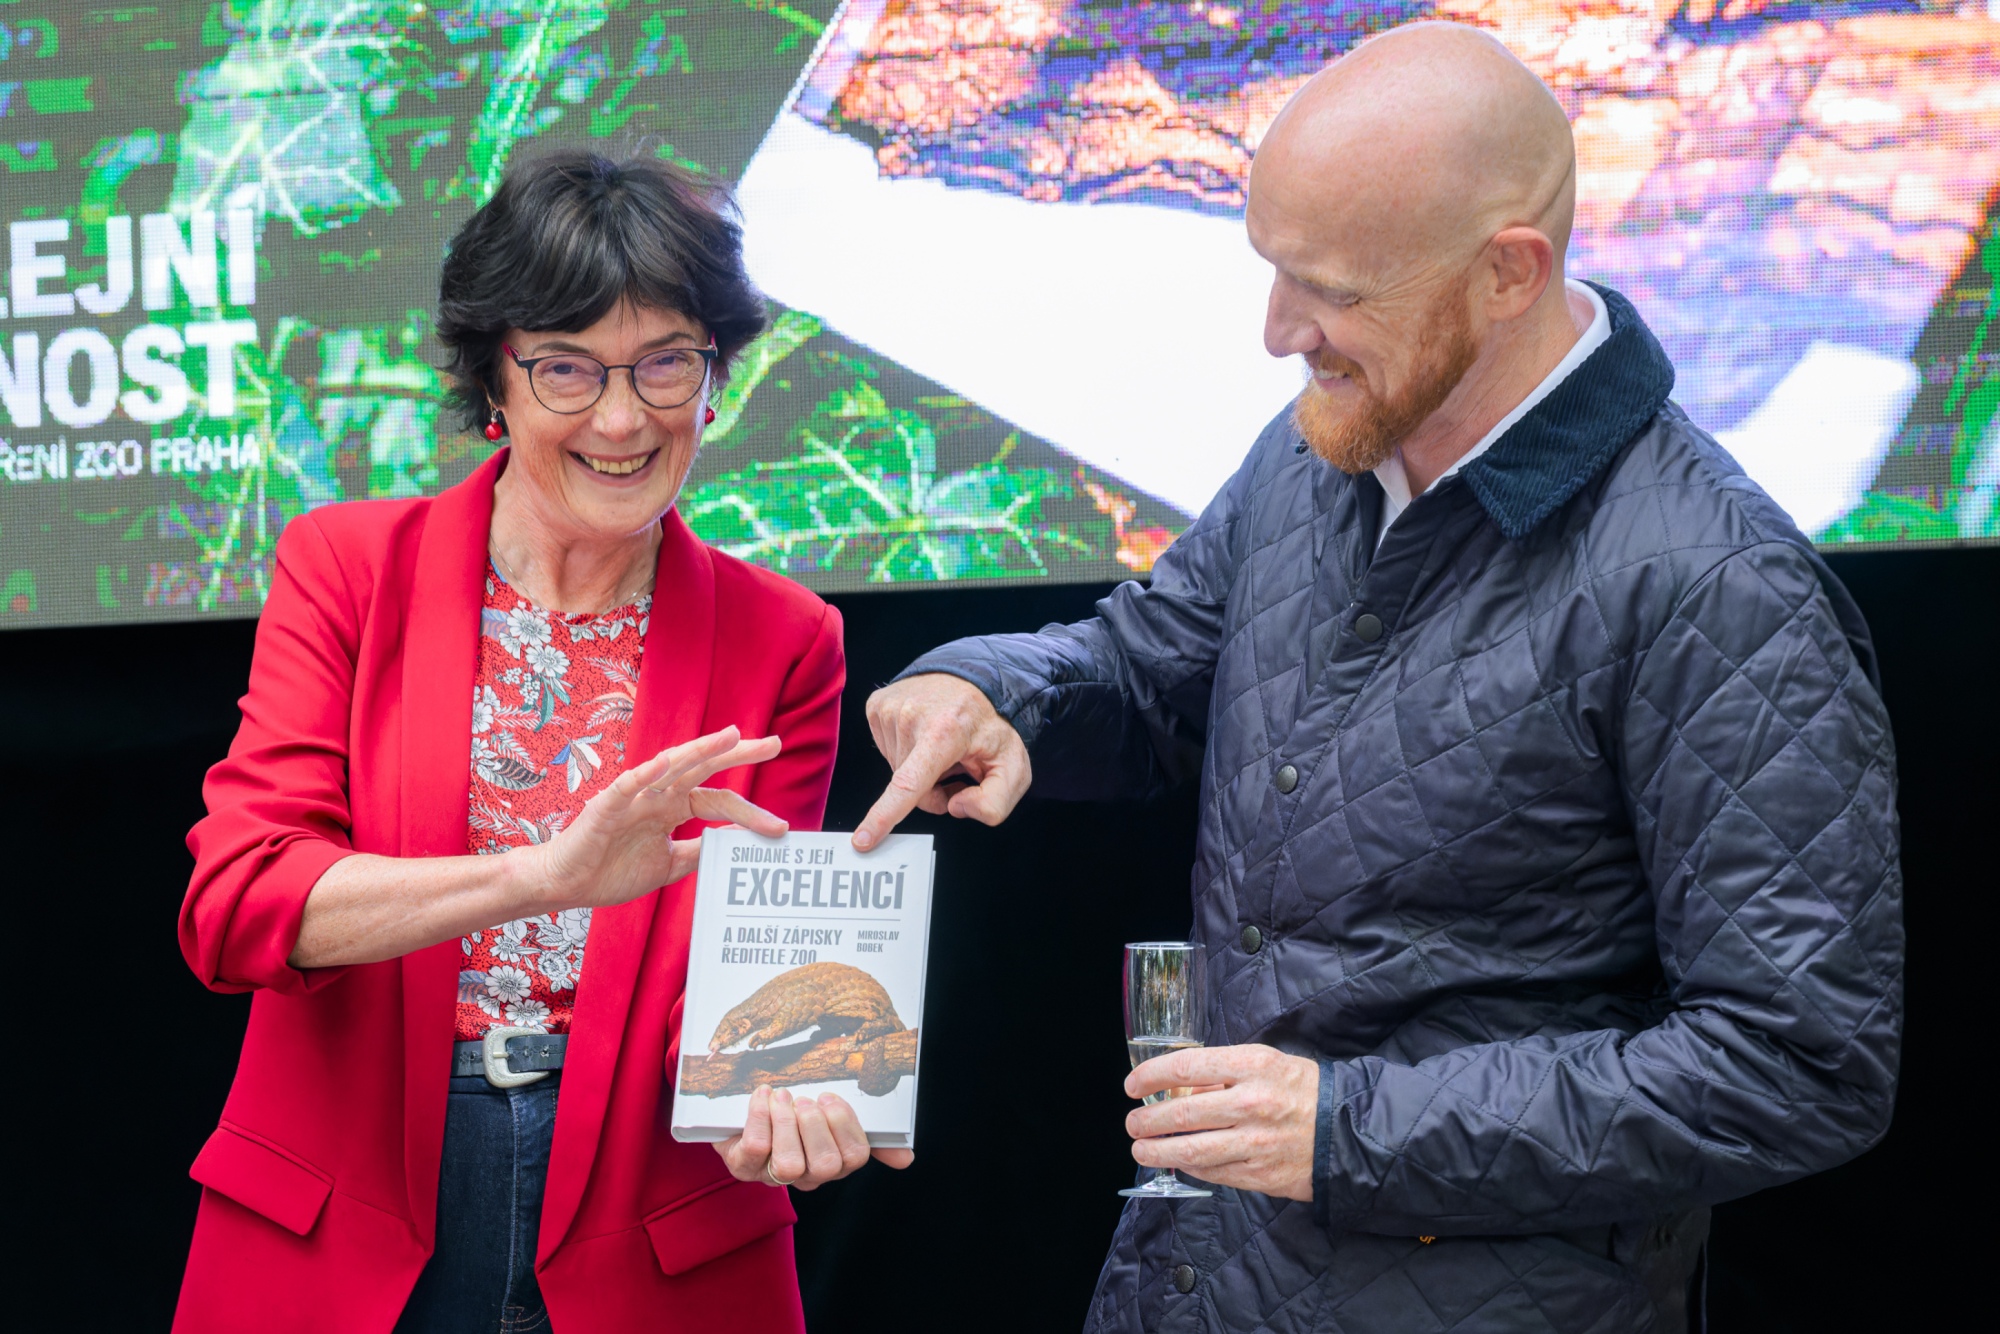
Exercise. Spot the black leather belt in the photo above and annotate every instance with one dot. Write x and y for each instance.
(510, 1057)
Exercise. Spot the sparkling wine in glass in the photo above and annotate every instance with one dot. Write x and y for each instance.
(1166, 1009)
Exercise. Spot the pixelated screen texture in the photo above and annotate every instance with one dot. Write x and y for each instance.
(980, 223)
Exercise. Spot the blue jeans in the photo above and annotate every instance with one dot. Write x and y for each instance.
(481, 1277)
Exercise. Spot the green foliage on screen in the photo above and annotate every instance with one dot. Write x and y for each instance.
(1949, 447)
(361, 133)
(335, 145)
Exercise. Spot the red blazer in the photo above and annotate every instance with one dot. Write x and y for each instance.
(320, 1184)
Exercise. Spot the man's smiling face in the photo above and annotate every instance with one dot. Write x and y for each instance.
(1385, 335)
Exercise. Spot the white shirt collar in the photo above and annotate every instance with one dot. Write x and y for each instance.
(1395, 482)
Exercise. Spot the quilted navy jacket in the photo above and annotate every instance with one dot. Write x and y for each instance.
(1560, 829)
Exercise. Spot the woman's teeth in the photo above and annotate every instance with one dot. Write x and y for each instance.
(617, 467)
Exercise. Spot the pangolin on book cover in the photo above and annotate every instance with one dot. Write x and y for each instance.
(859, 1036)
(819, 993)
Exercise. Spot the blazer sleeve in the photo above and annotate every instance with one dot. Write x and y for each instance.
(807, 721)
(278, 805)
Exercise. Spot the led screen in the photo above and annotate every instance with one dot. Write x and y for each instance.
(1016, 326)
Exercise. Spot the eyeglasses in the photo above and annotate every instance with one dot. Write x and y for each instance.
(569, 382)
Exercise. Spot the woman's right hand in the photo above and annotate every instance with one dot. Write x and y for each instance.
(622, 845)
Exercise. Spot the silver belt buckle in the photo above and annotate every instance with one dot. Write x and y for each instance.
(493, 1051)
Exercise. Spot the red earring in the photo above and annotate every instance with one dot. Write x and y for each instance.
(708, 419)
(496, 426)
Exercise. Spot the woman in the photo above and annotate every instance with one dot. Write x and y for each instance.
(451, 1106)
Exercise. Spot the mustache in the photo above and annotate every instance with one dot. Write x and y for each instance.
(1331, 362)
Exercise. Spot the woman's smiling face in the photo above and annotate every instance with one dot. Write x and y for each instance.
(614, 468)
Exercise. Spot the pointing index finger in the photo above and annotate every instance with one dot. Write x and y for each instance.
(916, 775)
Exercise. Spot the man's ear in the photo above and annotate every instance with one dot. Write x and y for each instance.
(1523, 261)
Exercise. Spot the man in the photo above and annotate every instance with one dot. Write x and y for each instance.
(1547, 865)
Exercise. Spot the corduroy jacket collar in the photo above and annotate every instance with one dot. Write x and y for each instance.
(1569, 437)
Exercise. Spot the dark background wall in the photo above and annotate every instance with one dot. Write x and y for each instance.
(1006, 1212)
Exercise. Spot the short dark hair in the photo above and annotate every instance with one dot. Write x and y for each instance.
(570, 234)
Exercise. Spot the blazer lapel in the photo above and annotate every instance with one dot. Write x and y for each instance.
(440, 664)
(673, 697)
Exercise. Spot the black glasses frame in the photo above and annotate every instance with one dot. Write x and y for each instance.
(707, 354)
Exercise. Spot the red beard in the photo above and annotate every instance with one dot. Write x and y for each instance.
(1358, 438)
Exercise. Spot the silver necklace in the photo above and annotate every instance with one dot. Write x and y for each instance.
(493, 551)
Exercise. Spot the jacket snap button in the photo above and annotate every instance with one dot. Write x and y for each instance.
(1253, 940)
(1184, 1278)
(1369, 626)
(1287, 778)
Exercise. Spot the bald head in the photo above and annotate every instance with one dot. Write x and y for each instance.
(1415, 198)
(1421, 144)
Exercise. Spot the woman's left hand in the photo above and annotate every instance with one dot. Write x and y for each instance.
(803, 1142)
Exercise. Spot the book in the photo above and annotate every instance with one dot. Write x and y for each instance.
(805, 972)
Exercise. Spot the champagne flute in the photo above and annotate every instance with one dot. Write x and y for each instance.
(1166, 1009)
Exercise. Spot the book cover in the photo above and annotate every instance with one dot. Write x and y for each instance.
(806, 972)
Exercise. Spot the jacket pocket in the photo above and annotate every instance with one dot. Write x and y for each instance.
(260, 1176)
(715, 1221)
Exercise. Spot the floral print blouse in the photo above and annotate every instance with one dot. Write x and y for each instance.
(550, 709)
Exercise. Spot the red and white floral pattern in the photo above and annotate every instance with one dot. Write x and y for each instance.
(550, 708)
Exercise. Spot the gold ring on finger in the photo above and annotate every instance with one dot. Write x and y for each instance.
(773, 1176)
